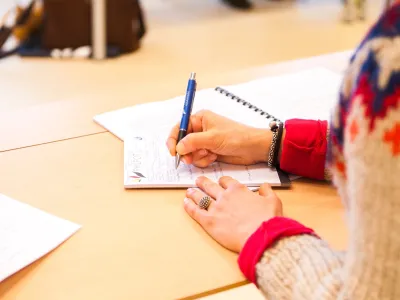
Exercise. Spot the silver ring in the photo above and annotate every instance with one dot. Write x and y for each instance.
(205, 202)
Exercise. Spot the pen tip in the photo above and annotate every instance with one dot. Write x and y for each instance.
(177, 160)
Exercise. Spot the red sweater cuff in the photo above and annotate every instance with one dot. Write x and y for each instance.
(265, 236)
(304, 148)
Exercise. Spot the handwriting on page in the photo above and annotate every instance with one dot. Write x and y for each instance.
(161, 168)
(147, 160)
(26, 234)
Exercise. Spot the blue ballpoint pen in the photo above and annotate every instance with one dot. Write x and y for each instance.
(187, 110)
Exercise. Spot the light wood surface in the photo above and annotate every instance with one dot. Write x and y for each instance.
(248, 292)
(136, 244)
(133, 244)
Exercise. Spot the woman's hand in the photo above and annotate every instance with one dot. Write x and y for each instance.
(212, 137)
(235, 214)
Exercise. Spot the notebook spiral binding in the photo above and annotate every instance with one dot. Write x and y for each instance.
(246, 103)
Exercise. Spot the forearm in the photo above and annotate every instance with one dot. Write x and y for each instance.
(300, 267)
(287, 260)
(304, 267)
(296, 264)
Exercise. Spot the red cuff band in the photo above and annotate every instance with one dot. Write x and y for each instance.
(304, 148)
(265, 236)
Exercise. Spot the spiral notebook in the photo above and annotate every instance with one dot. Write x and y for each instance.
(308, 94)
(246, 104)
(167, 113)
(144, 128)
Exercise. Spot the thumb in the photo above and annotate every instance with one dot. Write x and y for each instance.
(196, 141)
(265, 190)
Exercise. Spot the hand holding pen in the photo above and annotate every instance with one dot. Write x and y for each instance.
(205, 137)
(187, 110)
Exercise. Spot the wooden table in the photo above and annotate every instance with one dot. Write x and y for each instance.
(247, 291)
(136, 244)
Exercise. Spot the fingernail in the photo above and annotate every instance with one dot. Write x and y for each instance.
(185, 160)
(190, 191)
(186, 200)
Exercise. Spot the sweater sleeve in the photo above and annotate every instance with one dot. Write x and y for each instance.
(304, 148)
(365, 160)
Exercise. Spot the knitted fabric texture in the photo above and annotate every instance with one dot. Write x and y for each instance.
(364, 156)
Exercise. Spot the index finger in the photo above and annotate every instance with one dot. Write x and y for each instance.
(172, 139)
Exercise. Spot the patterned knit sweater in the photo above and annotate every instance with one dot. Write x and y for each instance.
(364, 156)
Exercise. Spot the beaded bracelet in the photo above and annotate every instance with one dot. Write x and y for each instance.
(277, 130)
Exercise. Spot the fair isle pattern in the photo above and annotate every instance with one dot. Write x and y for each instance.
(364, 157)
(373, 74)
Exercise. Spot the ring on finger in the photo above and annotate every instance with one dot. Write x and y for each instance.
(205, 202)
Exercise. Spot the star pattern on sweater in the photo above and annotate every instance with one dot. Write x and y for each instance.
(392, 137)
(376, 101)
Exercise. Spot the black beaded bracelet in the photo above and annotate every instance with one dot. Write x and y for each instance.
(278, 144)
(277, 130)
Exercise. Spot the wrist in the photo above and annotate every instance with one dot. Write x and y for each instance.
(281, 145)
(263, 238)
(261, 143)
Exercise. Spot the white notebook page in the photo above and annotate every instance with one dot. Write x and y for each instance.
(310, 94)
(306, 94)
(167, 113)
(148, 164)
(26, 234)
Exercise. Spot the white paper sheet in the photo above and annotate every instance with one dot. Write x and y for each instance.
(148, 164)
(309, 94)
(151, 116)
(27, 234)
(306, 94)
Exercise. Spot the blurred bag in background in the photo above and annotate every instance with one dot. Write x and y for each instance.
(63, 28)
